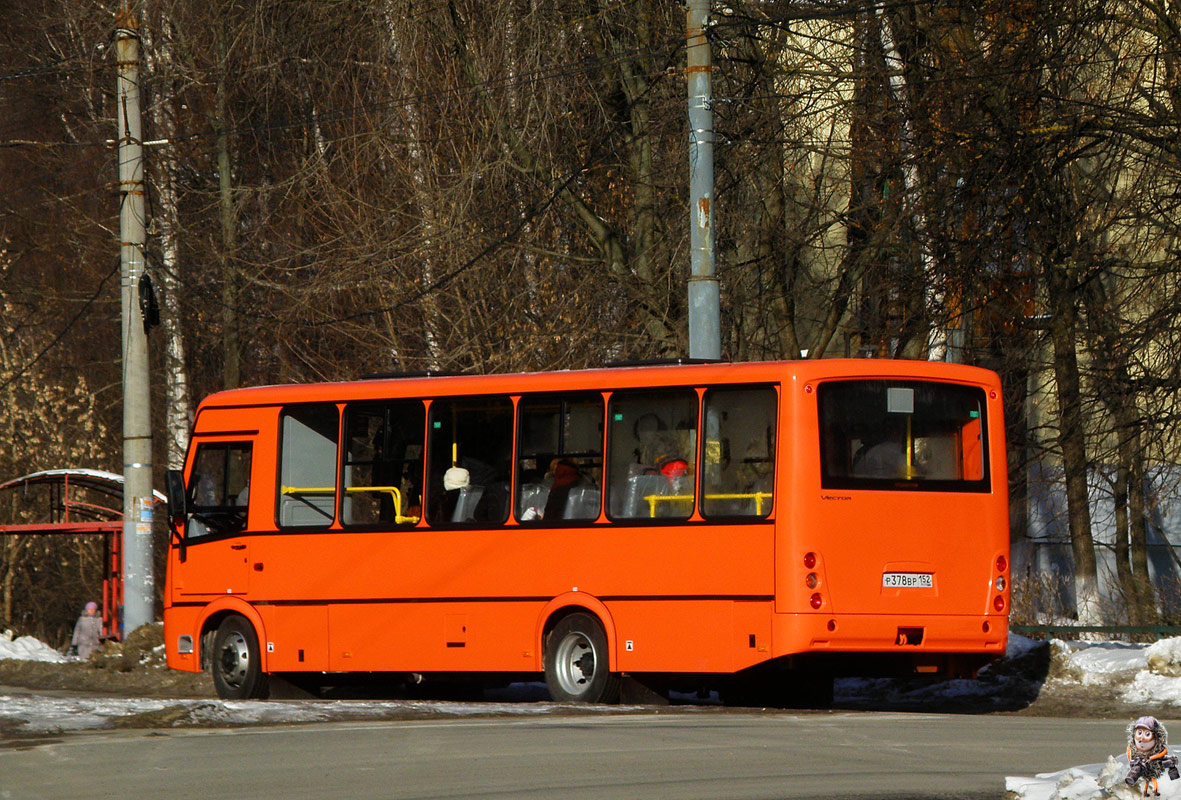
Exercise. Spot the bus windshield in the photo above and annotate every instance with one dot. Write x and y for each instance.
(890, 434)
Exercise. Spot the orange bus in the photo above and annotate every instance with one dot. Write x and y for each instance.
(756, 528)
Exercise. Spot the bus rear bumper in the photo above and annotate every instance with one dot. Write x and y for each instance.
(936, 644)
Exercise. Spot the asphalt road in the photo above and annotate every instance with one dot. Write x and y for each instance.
(768, 756)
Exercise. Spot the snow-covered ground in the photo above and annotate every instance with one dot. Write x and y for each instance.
(36, 712)
(1147, 677)
(1153, 681)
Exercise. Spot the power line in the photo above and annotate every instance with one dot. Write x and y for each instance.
(62, 333)
(52, 68)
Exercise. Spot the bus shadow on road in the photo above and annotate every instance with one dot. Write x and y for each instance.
(1012, 683)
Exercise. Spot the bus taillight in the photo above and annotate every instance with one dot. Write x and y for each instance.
(1001, 564)
(998, 603)
(809, 560)
(812, 580)
(817, 601)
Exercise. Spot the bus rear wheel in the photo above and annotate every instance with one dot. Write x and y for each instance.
(576, 664)
(236, 662)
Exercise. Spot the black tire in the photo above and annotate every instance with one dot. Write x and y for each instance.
(577, 669)
(236, 662)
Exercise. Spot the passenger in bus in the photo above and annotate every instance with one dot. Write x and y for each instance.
(490, 480)
(880, 457)
(652, 439)
(754, 476)
(204, 495)
(455, 481)
(676, 471)
(565, 477)
(411, 496)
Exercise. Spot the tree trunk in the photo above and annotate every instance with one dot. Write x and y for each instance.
(232, 368)
(1114, 384)
(426, 194)
(1063, 327)
(914, 204)
(178, 414)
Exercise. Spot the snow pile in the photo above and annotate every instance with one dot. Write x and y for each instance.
(1164, 657)
(27, 648)
(1087, 782)
(1149, 676)
(1098, 660)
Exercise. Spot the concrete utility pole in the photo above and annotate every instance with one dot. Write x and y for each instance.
(138, 582)
(705, 326)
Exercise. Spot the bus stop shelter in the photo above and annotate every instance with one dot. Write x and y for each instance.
(74, 502)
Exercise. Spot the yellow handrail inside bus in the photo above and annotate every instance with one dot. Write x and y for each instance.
(758, 497)
(909, 449)
(392, 491)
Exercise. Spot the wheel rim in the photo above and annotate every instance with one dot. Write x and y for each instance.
(574, 663)
(234, 660)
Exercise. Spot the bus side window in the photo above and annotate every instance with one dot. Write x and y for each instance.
(307, 466)
(469, 460)
(383, 463)
(219, 489)
(739, 452)
(559, 457)
(652, 456)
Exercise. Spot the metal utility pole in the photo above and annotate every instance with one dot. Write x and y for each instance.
(705, 326)
(138, 582)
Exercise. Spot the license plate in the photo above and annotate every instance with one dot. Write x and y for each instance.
(908, 580)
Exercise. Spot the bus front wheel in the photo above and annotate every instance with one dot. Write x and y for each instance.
(577, 669)
(236, 662)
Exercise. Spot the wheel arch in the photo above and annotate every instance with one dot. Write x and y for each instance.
(575, 603)
(217, 611)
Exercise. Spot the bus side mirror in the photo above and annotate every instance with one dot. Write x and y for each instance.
(174, 481)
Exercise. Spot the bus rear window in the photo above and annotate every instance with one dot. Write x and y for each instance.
(883, 434)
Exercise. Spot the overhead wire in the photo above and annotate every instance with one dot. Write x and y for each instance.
(65, 330)
(558, 72)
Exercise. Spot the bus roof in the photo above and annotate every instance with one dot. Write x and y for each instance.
(598, 379)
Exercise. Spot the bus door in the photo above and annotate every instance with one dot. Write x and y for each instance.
(211, 556)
